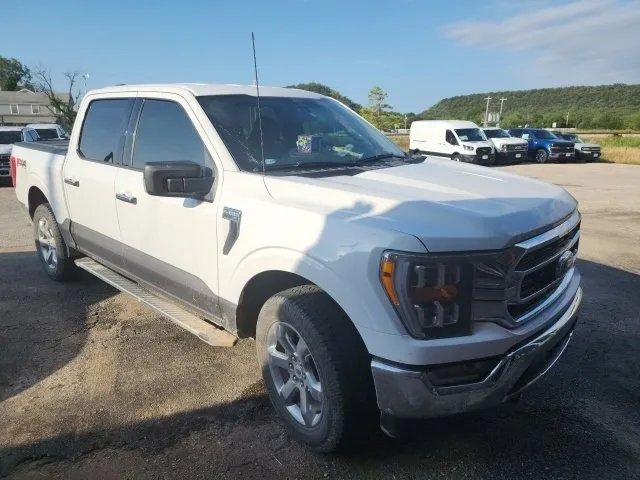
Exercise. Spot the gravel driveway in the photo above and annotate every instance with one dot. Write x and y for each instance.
(93, 385)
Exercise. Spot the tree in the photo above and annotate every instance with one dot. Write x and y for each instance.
(64, 108)
(13, 74)
(329, 92)
(512, 120)
(377, 98)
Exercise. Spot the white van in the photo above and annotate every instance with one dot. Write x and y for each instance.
(458, 140)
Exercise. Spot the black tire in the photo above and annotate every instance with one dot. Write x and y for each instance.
(456, 157)
(342, 366)
(541, 155)
(63, 268)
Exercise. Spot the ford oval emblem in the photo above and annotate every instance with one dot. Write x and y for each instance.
(565, 263)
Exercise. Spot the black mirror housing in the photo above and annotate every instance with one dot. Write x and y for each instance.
(177, 179)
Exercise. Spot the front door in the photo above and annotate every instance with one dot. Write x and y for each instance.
(89, 174)
(169, 243)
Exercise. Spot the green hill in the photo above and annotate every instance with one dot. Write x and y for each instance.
(604, 106)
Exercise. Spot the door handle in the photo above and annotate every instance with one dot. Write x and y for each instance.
(125, 197)
(72, 181)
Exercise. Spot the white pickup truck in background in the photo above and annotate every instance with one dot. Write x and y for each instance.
(373, 282)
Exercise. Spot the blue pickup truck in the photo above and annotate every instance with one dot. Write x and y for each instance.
(544, 145)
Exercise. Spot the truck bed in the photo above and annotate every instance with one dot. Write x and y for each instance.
(38, 167)
(56, 147)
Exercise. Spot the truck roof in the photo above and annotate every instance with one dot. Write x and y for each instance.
(13, 129)
(449, 123)
(201, 89)
(43, 125)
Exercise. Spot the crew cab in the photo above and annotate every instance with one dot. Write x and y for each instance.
(508, 149)
(544, 145)
(8, 137)
(588, 152)
(377, 285)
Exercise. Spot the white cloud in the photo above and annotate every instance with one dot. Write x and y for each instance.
(582, 41)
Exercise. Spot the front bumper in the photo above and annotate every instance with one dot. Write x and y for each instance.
(588, 155)
(511, 157)
(562, 156)
(407, 392)
(479, 160)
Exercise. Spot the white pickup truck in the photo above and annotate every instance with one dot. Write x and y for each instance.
(377, 285)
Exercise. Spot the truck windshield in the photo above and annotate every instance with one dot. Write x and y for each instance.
(544, 134)
(7, 138)
(496, 133)
(470, 135)
(295, 132)
(47, 133)
(572, 137)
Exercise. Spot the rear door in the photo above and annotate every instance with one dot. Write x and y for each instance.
(169, 243)
(89, 173)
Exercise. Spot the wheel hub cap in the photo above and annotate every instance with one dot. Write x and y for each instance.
(47, 244)
(294, 374)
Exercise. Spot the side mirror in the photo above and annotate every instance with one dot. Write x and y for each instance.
(177, 179)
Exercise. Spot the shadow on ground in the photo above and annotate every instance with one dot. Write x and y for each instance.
(37, 314)
(581, 421)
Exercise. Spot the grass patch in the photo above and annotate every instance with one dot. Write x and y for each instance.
(629, 142)
(401, 140)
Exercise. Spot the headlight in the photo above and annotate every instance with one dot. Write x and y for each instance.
(468, 147)
(432, 293)
(503, 146)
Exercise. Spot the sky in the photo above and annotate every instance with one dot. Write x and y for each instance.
(418, 51)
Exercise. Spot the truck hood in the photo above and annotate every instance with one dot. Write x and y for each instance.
(5, 149)
(580, 146)
(508, 141)
(448, 206)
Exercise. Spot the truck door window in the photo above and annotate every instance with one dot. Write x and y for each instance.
(166, 134)
(103, 129)
(450, 138)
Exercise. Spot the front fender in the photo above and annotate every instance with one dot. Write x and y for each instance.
(367, 307)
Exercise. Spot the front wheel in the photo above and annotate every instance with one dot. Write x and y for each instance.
(316, 369)
(456, 157)
(541, 155)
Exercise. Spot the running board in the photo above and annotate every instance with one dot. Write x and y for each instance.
(193, 324)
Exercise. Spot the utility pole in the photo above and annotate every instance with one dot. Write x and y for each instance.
(486, 112)
(567, 119)
(405, 121)
(502, 100)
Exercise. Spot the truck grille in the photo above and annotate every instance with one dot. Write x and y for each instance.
(512, 288)
(516, 148)
(4, 161)
(562, 148)
(541, 268)
(483, 150)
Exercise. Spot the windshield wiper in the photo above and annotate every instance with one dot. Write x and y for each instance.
(380, 156)
(292, 166)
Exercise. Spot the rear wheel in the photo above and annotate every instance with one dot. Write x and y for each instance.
(316, 369)
(50, 245)
(541, 155)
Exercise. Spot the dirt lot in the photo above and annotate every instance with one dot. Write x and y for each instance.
(92, 385)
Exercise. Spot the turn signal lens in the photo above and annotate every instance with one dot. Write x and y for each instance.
(387, 271)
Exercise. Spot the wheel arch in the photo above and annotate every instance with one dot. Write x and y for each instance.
(35, 198)
(269, 271)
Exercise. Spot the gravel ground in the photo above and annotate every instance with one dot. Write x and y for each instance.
(93, 385)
